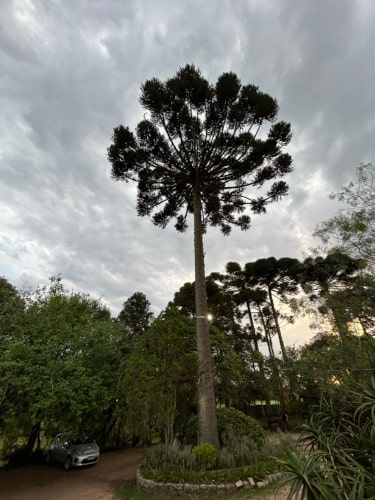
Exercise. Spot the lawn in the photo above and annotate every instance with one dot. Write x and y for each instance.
(131, 493)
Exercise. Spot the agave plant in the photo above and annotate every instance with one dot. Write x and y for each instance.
(336, 449)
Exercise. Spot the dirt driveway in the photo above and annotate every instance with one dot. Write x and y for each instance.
(42, 482)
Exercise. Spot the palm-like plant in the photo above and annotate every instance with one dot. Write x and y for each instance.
(336, 457)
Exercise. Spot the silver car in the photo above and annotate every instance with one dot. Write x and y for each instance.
(73, 451)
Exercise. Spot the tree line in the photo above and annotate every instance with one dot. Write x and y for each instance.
(65, 363)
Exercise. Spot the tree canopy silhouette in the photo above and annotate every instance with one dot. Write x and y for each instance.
(199, 150)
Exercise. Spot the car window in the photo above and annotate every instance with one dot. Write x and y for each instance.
(67, 439)
(81, 440)
(60, 439)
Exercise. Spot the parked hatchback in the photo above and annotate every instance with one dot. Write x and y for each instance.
(73, 450)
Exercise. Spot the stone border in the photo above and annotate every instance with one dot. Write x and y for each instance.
(178, 489)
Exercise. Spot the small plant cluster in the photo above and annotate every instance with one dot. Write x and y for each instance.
(206, 455)
(240, 456)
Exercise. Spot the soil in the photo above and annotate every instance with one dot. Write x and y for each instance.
(51, 482)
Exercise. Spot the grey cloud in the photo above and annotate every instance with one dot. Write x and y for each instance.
(72, 71)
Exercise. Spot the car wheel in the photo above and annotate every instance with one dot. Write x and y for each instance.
(48, 458)
(68, 463)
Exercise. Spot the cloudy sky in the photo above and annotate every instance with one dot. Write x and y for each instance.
(71, 70)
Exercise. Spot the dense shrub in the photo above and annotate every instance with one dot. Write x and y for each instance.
(233, 425)
(206, 455)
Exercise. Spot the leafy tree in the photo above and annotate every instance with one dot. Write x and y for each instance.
(60, 369)
(12, 307)
(354, 305)
(12, 312)
(329, 281)
(353, 229)
(329, 361)
(160, 375)
(231, 368)
(136, 315)
(199, 151)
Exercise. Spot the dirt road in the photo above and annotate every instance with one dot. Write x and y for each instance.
(42, 482)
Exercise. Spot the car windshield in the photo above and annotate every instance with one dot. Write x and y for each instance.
(82, 439)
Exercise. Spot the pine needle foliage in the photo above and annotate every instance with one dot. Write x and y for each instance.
(206, 138)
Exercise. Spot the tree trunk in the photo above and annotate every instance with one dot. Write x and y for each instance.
(267, 334)
(278, 330)
(33, 436)
(252, 326)
(207, 420)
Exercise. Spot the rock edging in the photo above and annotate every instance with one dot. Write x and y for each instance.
(177, 489)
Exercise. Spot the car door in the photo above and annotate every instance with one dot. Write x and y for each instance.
(59, 448)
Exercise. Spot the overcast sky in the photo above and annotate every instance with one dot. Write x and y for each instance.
(71, 70)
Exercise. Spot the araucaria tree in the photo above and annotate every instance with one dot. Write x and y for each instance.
(198, 151)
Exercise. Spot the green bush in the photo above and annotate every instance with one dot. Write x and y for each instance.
(233, 425)
(206, 455)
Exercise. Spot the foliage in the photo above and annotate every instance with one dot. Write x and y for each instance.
(330, 361)
(234, 425)
(337, 445)
(206, 455)
(194, 128)
(231, 367)
(352, 307)
(174, 475)
(224, 313)
(159, 377)
(179, 465)
(58, 369)
(336, 287)
(353, 228)
(136, 316)
(12, 317)
(319, 275)
(231, 357)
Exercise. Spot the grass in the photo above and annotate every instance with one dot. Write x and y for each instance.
(131, 493)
